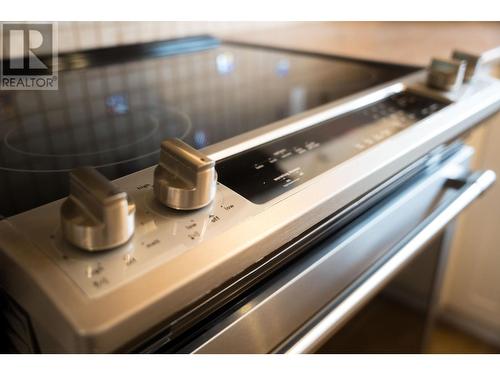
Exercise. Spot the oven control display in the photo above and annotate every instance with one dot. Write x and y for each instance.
(265, 172)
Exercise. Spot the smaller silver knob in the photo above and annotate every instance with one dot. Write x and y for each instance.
(96, 215)
(446, 75)
(472, 63)
(185, 179)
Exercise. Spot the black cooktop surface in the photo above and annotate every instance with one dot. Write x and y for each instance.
(112, 113)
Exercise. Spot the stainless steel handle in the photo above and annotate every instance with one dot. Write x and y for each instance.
(408, 248)
(491, 56)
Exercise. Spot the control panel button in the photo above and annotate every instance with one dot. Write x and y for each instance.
(185, 179)
(96, 215)
(446, 75)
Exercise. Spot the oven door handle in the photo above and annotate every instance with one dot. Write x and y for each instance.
(410, 246)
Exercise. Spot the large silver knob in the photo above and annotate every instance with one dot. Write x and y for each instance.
(185, 179)
(446, 75)
(96, 215)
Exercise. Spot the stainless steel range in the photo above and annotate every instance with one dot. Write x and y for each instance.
(198, 196)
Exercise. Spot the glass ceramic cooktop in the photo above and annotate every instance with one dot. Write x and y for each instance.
(114, 116)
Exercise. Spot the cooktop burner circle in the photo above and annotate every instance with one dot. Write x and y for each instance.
(133, 136)
(154, 127)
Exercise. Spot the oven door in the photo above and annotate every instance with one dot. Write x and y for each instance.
(339, 295)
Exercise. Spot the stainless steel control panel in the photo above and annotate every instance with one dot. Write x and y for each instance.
(161, 234)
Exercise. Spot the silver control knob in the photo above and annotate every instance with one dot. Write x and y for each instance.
(185, 179)
(96, 215)
(446, 75)
(472, 63)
